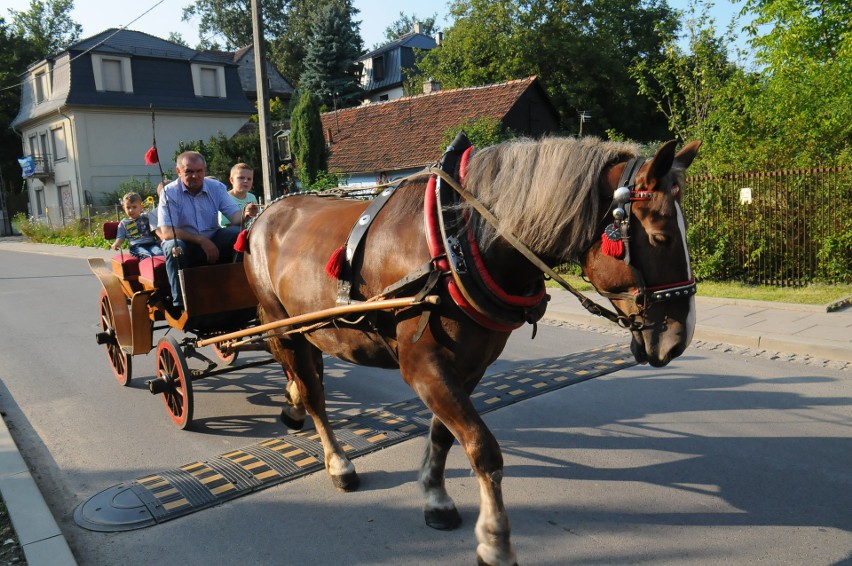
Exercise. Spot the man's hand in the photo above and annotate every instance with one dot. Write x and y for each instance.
(209, 248)
(251, 210)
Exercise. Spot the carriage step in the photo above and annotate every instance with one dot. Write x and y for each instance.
(169, 494)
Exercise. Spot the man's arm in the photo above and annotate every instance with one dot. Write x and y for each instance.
(237, 217)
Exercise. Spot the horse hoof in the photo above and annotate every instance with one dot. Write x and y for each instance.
(443, 519)
(291, 422)
(346, 482)
(481, 562)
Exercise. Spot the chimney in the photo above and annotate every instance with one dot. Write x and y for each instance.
(439, 38)
(417, 27)
(430, 86)
(330, 137)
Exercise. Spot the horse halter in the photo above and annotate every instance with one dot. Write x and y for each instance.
(619, 232)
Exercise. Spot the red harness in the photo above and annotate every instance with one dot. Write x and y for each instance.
(437, 249)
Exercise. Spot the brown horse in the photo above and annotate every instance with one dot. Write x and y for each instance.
(557, 196)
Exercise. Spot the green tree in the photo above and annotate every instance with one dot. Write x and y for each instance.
(481, 132)
(405, 24)
(330, 70)
(231, 19)
(16, 53)
(582, 50)
(682, 85)
(306, 139)
(47, 25)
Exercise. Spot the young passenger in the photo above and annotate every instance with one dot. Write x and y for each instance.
(242, 177)
(136, 229)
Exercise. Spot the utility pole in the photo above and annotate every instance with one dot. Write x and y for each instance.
(267, 155)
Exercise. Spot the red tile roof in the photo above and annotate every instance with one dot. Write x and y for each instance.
(406, 132)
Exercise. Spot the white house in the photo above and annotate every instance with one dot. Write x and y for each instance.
(86, 114)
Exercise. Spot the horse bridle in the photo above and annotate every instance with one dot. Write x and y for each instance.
(643, 296)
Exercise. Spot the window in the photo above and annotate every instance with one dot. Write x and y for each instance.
(39, 202)
(379, 68)
(40, 86)
(57, 139)
(209, 80)
(383, 97)
(112, 74)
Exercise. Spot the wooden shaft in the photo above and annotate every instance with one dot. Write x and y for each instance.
(323, 314)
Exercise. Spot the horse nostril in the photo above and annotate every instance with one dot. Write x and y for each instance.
(659, 239)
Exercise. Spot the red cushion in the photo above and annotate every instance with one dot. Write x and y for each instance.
(110, 230)
(154, 269)
(129, 264)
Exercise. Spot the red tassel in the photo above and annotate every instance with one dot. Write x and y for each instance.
(151, 156)
(334, 267)
(242, 242)
(612, 248)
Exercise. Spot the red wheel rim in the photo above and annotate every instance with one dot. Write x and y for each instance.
(119, 361)
(226, 359)
(171, 367)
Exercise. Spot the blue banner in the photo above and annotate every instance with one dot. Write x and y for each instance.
(27, 164)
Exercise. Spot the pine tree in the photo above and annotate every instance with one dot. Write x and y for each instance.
(330, 70)
(306, 139)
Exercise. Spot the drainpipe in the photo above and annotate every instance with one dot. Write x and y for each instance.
(69, 153)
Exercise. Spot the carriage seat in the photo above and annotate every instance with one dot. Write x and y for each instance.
(124, 265)
(151, 270)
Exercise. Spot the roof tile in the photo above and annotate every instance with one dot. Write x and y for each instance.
(406, 132)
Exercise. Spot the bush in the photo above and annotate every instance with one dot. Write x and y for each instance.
(79, 233)
(146, 188)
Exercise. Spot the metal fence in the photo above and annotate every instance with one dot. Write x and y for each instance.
(785, 228)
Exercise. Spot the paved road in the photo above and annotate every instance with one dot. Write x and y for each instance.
(718, 458)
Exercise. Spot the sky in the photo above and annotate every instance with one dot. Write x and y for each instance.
(161, 17)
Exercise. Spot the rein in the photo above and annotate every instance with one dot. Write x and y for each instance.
(643, 297)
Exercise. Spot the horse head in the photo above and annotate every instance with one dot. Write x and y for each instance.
(641, 262)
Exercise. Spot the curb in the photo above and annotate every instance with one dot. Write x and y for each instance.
(41, 539)
(774, 342)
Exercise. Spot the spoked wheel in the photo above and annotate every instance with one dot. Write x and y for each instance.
(119, 361)
(226, 358)
(173, 381)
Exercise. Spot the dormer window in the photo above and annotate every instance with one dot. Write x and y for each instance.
(41, 86)
(379, 68)
(112, 74)
(209, 81)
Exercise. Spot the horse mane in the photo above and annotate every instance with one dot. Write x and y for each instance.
(545, 192)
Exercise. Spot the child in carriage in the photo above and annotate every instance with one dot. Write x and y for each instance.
(136, 229)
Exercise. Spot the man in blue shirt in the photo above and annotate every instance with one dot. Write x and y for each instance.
(189, 219)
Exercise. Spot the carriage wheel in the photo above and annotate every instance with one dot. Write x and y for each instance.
(226, 359)
(119, 361)
(172, 369)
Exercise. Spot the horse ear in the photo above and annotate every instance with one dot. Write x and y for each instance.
(662, 162)
(685, 156)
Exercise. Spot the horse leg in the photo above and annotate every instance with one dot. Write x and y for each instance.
(306, 360)
(439, 511)
(451, 406)
(293, 412)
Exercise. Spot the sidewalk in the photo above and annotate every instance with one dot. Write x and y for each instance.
(795, 329)
(807, 330)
